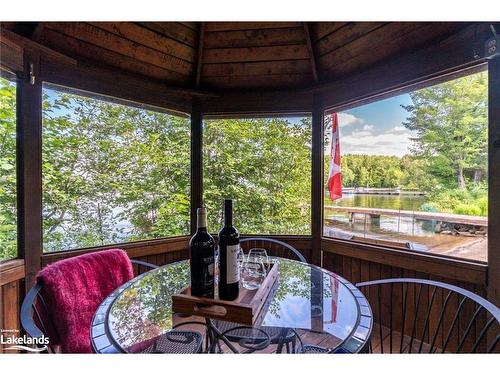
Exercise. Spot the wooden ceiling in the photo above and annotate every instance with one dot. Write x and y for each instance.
(238, 56)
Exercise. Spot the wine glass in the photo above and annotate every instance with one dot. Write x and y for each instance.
(259, 254)
(241, 257)
(253, 274)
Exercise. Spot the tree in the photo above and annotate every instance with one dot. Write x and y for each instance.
(450, 120)
(111, 173)
(264, 164)
(8, 211)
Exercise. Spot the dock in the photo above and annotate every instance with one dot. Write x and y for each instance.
(379, 191)
(375, 213)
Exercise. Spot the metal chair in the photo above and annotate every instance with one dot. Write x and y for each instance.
(426, 316)
(278, 336)
(273, 247)
(35, 321)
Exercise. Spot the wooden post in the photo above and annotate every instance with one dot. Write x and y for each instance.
(196, 161)
(29, 166)
(494, 181)
(317, 182)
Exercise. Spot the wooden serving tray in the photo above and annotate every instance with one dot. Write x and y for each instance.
(247, 309)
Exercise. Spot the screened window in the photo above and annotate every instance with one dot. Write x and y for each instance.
(8, 211)
(264, 164)
(111, 172)
(414, 171)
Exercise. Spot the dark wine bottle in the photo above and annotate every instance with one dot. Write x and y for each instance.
(229, 247)
(202, 262)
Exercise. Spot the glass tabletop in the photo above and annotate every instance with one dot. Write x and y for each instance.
(322, 307)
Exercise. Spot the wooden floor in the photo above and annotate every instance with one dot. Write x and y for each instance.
(398, 345)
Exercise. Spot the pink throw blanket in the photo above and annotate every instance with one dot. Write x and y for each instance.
(73, 290)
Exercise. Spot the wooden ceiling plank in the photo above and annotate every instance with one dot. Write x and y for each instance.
(311, 51)
(223, 55)
(191, 25)
(174, 30)
(322, 29)
(144, 36)
(263, 81)
(257, 68)
(382, 36)
(107, 40)
(444, 57)
(254, 38)
(401, 43)
(232, 26)
(11, 57)
(345, 35)
(90, 52)
(199, 60)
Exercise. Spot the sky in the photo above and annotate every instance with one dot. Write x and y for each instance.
(376, 128)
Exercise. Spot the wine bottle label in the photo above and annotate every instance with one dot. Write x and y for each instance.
(233, 269)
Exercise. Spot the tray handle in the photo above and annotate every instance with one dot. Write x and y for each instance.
(212, 310)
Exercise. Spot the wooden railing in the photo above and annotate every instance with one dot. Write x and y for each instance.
(480, 221)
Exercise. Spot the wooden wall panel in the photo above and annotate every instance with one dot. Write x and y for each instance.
(400, 303)
(135, 250)
(10, 301)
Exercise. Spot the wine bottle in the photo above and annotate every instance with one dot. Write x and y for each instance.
(201, 254)
(229, 247)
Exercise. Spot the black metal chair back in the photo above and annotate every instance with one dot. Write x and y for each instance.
(426, 316)
(35, 316)
(273, 248)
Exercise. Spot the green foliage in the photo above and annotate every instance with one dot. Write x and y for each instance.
(384, 172)
(265, 166)
(111, 173)
(461, 201)
(8, 212)
(465, 209)
(451, 123)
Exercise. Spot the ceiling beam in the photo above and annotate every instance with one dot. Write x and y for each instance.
(10, 38)
(199, 61)
(310, 48)
(37, 32)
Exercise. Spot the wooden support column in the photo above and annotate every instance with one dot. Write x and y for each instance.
(494, 181)
(29, 166)
(196, 161)
(317, 182)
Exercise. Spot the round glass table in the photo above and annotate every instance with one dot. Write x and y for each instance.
(323, 310)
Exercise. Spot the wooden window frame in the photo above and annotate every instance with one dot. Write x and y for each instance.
(486, 273)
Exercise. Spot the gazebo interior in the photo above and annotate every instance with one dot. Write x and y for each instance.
(204, 72)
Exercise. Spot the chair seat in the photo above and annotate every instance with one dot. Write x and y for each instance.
(176, 342)
(276, 334)
(313, 349)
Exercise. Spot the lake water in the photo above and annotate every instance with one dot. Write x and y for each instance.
(387, 226)
(421, 233)
(396, 202)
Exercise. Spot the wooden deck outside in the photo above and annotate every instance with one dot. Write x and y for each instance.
(419, 215)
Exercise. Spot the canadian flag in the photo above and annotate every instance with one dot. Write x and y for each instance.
(334, 288)
(335, 175)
